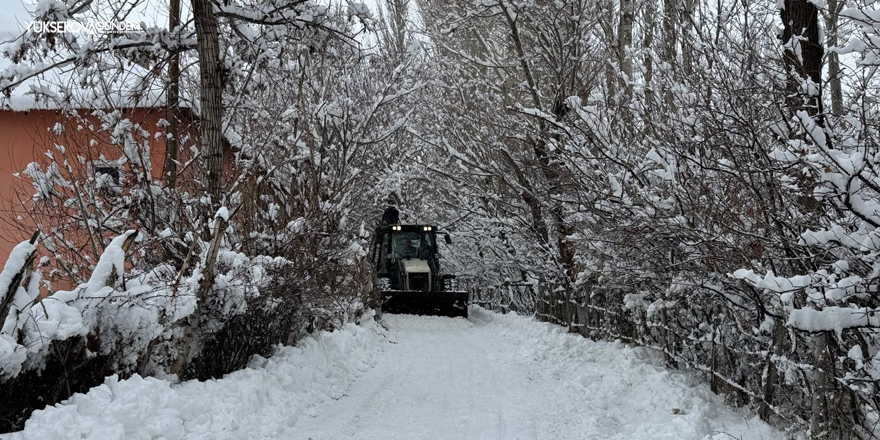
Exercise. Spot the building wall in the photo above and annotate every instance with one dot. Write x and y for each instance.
(26, 137)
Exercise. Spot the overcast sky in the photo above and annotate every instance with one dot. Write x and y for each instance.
(14, 12)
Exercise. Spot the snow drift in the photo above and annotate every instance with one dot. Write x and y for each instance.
(256, 402)
(614, 391)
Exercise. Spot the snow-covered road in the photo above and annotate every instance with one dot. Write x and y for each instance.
(439, 378)
(513, 378)
(490, 377)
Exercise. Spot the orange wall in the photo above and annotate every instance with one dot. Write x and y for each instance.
(25, 138)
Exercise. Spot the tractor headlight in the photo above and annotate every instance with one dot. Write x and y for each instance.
(395, 228)
(426, 228)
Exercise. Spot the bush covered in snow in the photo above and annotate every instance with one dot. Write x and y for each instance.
(119, 323)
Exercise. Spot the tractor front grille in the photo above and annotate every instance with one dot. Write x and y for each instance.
(419, 282)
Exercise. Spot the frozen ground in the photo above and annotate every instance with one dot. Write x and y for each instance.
(491, 377)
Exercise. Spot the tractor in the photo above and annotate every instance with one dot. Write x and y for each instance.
(408, 273)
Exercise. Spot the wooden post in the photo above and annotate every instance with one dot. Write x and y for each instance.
(772, 376)
(588, 302)
(821, 388)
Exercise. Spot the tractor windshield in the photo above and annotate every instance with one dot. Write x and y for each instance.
(413, 245)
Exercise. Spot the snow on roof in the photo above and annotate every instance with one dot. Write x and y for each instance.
(106, 83)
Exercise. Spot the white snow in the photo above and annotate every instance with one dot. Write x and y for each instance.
(491, 377)
(223, 213)
(834, 318)
(773, 282)
(112, 262)
(263, 401)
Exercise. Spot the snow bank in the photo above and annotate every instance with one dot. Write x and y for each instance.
(257, 402)
(621, 392)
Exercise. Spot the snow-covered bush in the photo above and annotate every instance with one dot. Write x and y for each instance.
(125, 323)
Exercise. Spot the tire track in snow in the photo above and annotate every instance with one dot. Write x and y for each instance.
(511, 378)
(443, 379)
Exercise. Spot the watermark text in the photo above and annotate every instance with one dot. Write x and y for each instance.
(92, 28)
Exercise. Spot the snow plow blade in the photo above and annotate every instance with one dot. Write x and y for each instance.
(416, 302)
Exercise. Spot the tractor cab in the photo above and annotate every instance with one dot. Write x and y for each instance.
(407, 262)
(400, 250)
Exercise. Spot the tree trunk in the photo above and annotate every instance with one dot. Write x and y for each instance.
(190, 329)
(670, 42)
(670, 25)
(649, 60)
(687, 20)
(606, 22)
(398, 11)
(551, 170)
(211, 115)
(831, 29)
(625, 37)
(172, 110)
(802, 57)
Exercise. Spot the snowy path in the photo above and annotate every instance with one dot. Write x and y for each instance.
(490, 377)
(442, 378)
(439, 378)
